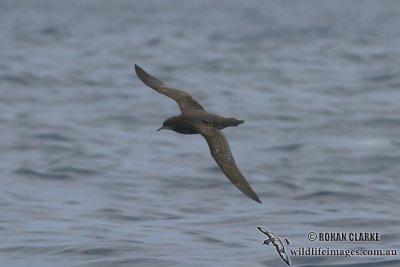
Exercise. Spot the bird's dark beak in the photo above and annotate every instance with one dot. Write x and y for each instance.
(159, 129)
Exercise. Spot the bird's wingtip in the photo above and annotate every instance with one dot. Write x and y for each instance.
(248, 191)
(256, 199)
(262, 229)
(141, 73)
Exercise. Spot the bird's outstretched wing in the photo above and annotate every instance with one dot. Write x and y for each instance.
(265, 231)
(185, 101)
(219, 148)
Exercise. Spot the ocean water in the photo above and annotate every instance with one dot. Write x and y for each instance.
(87, 181)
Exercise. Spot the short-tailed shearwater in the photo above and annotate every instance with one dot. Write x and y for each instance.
(195, 120)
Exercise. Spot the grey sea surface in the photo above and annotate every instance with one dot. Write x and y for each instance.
(87, 181)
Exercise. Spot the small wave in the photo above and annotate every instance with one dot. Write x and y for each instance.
(54, 32)
(42, 175)
(154, 41)
(98, 251)
(74, 170)
(382, 77)
(30, 79)
(289, 147)
(329, 195)
(20, 80)
(52, 137)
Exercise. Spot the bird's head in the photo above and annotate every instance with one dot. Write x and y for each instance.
(267, 242)
(168, 124)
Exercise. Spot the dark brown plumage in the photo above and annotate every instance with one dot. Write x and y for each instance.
(195, 120)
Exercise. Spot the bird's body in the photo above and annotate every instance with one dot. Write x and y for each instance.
(195, 120)
(188, 122)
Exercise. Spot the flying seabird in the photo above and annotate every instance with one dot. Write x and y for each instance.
(195, 120)
(274, 240)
